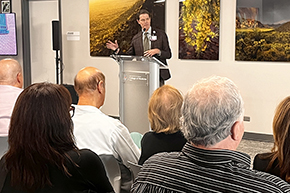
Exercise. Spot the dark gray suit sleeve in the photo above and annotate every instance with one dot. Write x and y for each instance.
(165, 50)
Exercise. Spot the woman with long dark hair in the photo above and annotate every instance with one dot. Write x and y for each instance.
(277, 162)
(42, 155)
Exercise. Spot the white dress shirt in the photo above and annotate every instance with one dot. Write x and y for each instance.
(8, 96)
(103, 135)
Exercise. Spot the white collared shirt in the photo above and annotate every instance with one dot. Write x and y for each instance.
(103, 134)
(8, 96)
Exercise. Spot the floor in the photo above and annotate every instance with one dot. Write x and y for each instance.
(254, 147)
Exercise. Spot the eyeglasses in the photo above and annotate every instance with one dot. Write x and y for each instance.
(72, 111)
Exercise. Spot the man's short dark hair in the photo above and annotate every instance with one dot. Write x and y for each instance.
(143, 11)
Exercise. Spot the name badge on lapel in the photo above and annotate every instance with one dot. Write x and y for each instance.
(153, 37)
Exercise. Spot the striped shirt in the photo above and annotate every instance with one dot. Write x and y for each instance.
(199, 170)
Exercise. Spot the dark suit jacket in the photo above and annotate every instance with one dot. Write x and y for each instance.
(161, 43)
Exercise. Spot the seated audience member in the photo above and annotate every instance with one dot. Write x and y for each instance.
(97, 131)
(42, 155)
(11, 82)
(163, 113)
(278, 161)
(212, 123)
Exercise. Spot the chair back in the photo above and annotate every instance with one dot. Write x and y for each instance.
(3, 145)
(135, 168)
(113, 171)
(137, 137)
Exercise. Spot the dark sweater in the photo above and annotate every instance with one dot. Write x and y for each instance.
(153, 143)
(88, 175)
(261, 163)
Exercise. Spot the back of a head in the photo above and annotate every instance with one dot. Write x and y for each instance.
(210, 109)
(164, 109)
(281, 134)
(41, 108)
(281, 123)
(87, 79)
(40, 133)
(9, 70)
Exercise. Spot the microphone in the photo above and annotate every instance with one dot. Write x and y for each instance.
(144, 29)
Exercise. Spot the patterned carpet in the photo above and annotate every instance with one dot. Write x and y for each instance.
(254, 147)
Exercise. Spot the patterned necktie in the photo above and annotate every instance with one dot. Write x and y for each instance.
(146, 42)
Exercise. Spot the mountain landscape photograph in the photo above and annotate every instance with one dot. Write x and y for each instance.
(262, 30)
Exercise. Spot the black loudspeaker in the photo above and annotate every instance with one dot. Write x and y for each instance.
(55, 35)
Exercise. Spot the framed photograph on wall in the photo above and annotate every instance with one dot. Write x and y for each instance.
(5, 6)
(116, 20)
(199, 29)
(262, 30)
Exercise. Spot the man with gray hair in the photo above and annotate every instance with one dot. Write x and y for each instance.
(11, 82)
(212, 123)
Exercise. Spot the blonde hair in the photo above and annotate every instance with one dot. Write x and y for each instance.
(164, 109)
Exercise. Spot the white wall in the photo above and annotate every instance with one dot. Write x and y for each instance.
(43, 65)
(263, 84)
(76, 54)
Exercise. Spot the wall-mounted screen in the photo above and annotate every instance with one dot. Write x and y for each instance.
(8, 43)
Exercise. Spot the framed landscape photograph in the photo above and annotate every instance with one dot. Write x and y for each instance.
(262, 30)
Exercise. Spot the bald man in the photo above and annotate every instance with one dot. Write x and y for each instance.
(11, 82)
(97, 131)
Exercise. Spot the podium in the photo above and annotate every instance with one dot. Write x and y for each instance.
(138, 78)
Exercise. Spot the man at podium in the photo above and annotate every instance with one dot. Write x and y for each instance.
(149, 42)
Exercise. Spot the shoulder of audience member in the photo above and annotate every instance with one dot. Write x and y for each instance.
(118, 124)
(273, 180)
(84, 156)
(160, 157)
(149, 133)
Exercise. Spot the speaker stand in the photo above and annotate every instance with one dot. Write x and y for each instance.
(57, 65)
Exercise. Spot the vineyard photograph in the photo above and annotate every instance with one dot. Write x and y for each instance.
(262, 35)
(199, 29)
(116, 20)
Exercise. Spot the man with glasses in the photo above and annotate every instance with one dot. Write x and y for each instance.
(149, 42)
(97, 131)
